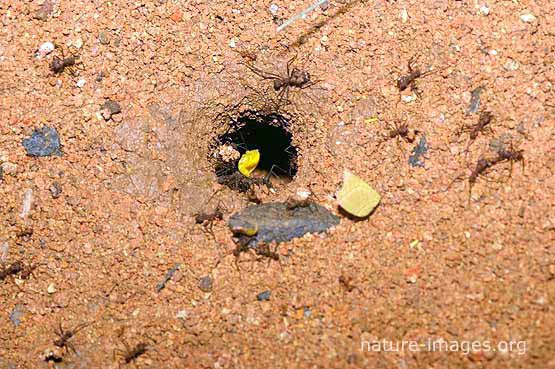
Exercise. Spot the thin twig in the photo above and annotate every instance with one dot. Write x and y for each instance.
(302, 14)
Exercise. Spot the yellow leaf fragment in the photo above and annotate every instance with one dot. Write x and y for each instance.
(414, 243)
(370, 120)
(248, 162)
(356, 196)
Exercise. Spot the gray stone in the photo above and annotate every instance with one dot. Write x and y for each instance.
(276, 222)
(43, 142)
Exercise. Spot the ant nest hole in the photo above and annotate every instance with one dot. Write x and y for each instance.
(254, 130)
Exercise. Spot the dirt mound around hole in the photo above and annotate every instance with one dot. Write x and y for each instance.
(167, 151)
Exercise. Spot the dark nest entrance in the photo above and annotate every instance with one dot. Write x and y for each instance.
(269, 134)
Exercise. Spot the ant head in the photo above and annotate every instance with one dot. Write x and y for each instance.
(299, 77)
(57, 64)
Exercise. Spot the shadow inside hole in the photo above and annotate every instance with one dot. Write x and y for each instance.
(270, 135)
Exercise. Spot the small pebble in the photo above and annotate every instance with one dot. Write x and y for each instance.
(43, 142)
(206, 283)
(45, 10)
(274, 9)
(104, 38)
(416, 159)
(51, 288)
(181, 314)
(263, 296)
(45, 49)
(9, 168)
(55, 190)
(404, 15)
(78, 43)
(484, 9)
(408, 98)
(109, 109)
(112, 106)
(80, 83)
(4, 250)
(17, 313)
(528, 18)
(475, 100)
(511, 65)
(232, 43)
(27, 202)
(177, 15)
(105, 113)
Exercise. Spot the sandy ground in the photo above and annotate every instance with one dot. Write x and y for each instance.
(427, 265)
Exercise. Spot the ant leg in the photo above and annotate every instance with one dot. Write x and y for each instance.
(289, 152)
(243, 145)
(411, 62)
(60, 330)
(310, 84)
(280, 96)
(510, 169)
(62, 51)
(267, 177)
(209, 229)
(467, 150)
(262, 74)
(290, 63)
(71, 347)
(469, 192)
(414, 88)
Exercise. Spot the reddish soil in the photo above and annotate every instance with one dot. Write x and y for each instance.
(429, 263)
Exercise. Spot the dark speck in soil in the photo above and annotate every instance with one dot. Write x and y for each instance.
(112, 106)
(263, 296)
(276, 222)
(16, 314)
(55, 190)
(206, 283)
(417, 157)
(475, 100)
(43, 142)
(169, 275)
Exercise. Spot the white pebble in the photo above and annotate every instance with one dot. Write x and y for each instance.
(78, 43)
(511, 65)
(51, 288)
(408, 98)
(4, 250)
(81, 83)
(232, 43)
(404, 15)
(45, 49)
(303, 194)
(27, 202)
(181, 314)
(493, 52)
(274, 9)
(484, 9)
(528, 17)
